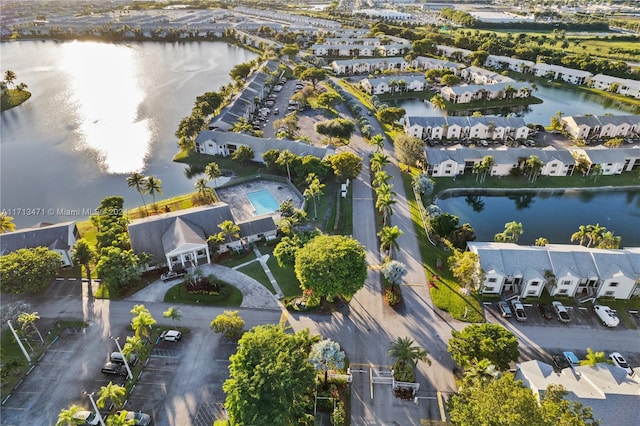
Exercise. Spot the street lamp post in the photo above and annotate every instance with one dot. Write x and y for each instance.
(95, 407)
(124, 358)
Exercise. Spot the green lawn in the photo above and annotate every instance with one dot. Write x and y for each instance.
(179, 294)
(286, 277)
(255, 271)
(232, 259)
(198, 162)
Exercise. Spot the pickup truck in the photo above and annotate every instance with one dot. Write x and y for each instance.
(172, 275)
(519, 310)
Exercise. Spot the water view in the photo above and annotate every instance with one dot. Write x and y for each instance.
(555, 99)
(100, 111)
(554, 215)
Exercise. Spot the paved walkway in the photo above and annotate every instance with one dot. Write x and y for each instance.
(254, 294)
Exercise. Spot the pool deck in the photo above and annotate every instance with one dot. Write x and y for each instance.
(241, 207)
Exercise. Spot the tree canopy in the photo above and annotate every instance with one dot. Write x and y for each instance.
(331, 265)
(338, 128)
(409, 149)
(28, 269)
(476, 342)
(270, 377)
(346, 165)
(390, 115)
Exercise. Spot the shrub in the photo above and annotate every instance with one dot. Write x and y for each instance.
(339, 417)
(392, 296)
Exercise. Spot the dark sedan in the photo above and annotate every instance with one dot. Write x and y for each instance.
(545, 311)
(115, 369)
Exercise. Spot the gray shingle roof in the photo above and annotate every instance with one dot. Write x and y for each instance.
(257, 226)
(53, 236)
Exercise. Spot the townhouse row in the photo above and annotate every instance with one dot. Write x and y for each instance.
(458, 160)
(466, 128)
(601, 126)
(563, 269)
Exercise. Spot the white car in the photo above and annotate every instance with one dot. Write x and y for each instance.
(86, 418)
(171, 335)
(607, 315)
(518, 308)
(561, 311)
(619, 360)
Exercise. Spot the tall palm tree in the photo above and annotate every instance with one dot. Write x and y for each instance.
(67, 416)
(213, 172)
(153, 186)
(381, 178)
(580, 235)
(378, 141)
(533, 165)
(203, 190)
(487, 164)
(314, 190)
(384, 205)
(133, 344)
(173, 313)
(541, 242)
(84, 254)
(437, 102)
(406, 356)
(595, 233)
(139, 182)
(379, 161)
(27, 320)
(6, 223)
(610, 241)
(115, 393)
(120, 419)
(10, 77)
(286, 157)
(229, 229)
(142, 321)
(388, 239)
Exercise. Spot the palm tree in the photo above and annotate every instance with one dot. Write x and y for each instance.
(593, 358)
(437, 102)
(381, 178)
(10, 77)
(580, 235)
(133, 344)
(406, 356)
(173, 313)
(115, 393)
(384, 205)
(139, 182)
(379, 161)
(212, 171)
(388, 239)
(595, 233)
(67, 416)
(203, 190)
(314, 190)
(229, 229)
(120, 419)
(509, 91)
(142, 321)
(533, 165)
(487, 164)
(29, 320)
(286, 157)
(6, 223)
(378, 141)
(84, 254)
(609, 241)
(541, 242)
(21, 87)
(153, 186)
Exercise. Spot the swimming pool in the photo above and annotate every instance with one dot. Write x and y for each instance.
(262, 202)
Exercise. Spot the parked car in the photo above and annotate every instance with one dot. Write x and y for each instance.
(277, 88)
(545, 311)
(519, 310)
(505, 310)
(117, 358)
(138, 417)
(172, 275)
(559, 362)
(171, 335)
(115, 369)
(561, 311)
(571, 358)
(621, 362)
(276, 111)
(606, 315)
(86, 418)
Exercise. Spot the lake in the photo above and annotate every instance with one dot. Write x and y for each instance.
(555, 99)
(98, 112)
(553, 214)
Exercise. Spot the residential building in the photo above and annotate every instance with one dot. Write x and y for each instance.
(557, 72)
(215, 142)
(607, 389)
(397, 83)
(513, 64)
(477, 92)
(479, 75)
(623, 86)
(59, 237)
(601, 126)
(464, 128)
(612, 161)
(426, 63)
(453, 52)
(333, 50)
(179, 238)
(565, 270)
(369, 65)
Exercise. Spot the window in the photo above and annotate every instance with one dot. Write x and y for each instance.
(200, 252)
(566, 282)
(534, 284)
(492, 280)
(613, 284)
(563, 291)
(174, 259)
(609, 293)
(531, 293)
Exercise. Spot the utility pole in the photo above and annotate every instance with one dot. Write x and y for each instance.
(24, 351)
(124, 358)
(95, 407)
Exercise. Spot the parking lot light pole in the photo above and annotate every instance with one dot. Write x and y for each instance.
(95, 407)
(124, 358)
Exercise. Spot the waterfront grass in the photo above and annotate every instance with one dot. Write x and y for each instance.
(445, 292)
(197, 163)
(11, 98)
